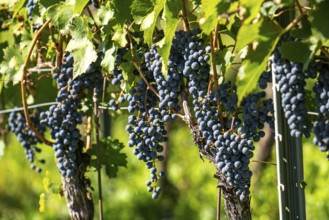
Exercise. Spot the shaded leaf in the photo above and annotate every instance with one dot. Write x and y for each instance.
(252, 8)
(319, 21)
(122, 11)
(298, 51)
(110, 156)
(140, 9)
(267, 35)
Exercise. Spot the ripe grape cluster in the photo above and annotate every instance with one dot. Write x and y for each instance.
(117, 72)
(146, 130)
(64, 117)
(256, 111)
(265, 77)
(26, 136)
(216, 111)
(196, 68)
(31, 4)
(291, 81)
(169, 87)
(232, 158)
(321, 125)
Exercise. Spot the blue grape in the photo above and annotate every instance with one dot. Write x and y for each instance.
(26, 136)
(64, 117)
(321, 125)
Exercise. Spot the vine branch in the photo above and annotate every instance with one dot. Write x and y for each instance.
(184, 15)
(23, 89)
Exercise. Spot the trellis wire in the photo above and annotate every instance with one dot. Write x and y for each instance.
(4, 111)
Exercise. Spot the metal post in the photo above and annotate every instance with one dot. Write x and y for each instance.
(289, 159)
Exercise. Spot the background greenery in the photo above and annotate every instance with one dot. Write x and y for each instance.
(189, 190)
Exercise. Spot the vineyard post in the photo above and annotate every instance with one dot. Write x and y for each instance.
(289, 156)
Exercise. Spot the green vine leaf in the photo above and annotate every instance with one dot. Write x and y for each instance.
(252, 8)
(122, 11)
(211, 10)
(12, 67)
(298, 51)
(109, 59)
(266, 34)
(141, 9)
(80, 6)
(148, 32)
(319, 21)
(79, 28)
(18, 4)
(104, 15)
(171, 16)
(119, 36)
(84, 54)
(60, 14)
(110, 156)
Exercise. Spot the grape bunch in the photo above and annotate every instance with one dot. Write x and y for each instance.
(31, 4)
(321, 125)
(64, 117)
(233, 155)
(256, 111)
(146, 130)
(265, 77)
(117, 72)
(216, 112)
(196, 68)
(26, 136)
(291, 81)
(168, 87)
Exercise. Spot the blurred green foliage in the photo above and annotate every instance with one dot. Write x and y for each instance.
(189, 189)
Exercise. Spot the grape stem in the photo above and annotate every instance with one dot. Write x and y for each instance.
(293, 23)
(23, 88)
(59, 52)
(214, 70)
(133, 60)
(325, 52)
(299, 7)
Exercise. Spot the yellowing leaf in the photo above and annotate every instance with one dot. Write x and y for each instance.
(42, 203)
(147, 21)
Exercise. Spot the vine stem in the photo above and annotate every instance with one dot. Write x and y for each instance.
(59, 52)
(299, 7)
(133, 60)
(23, 88)
(99, 175)
(219, 198)
(292, 24)
(214, 70)
(184, 15)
